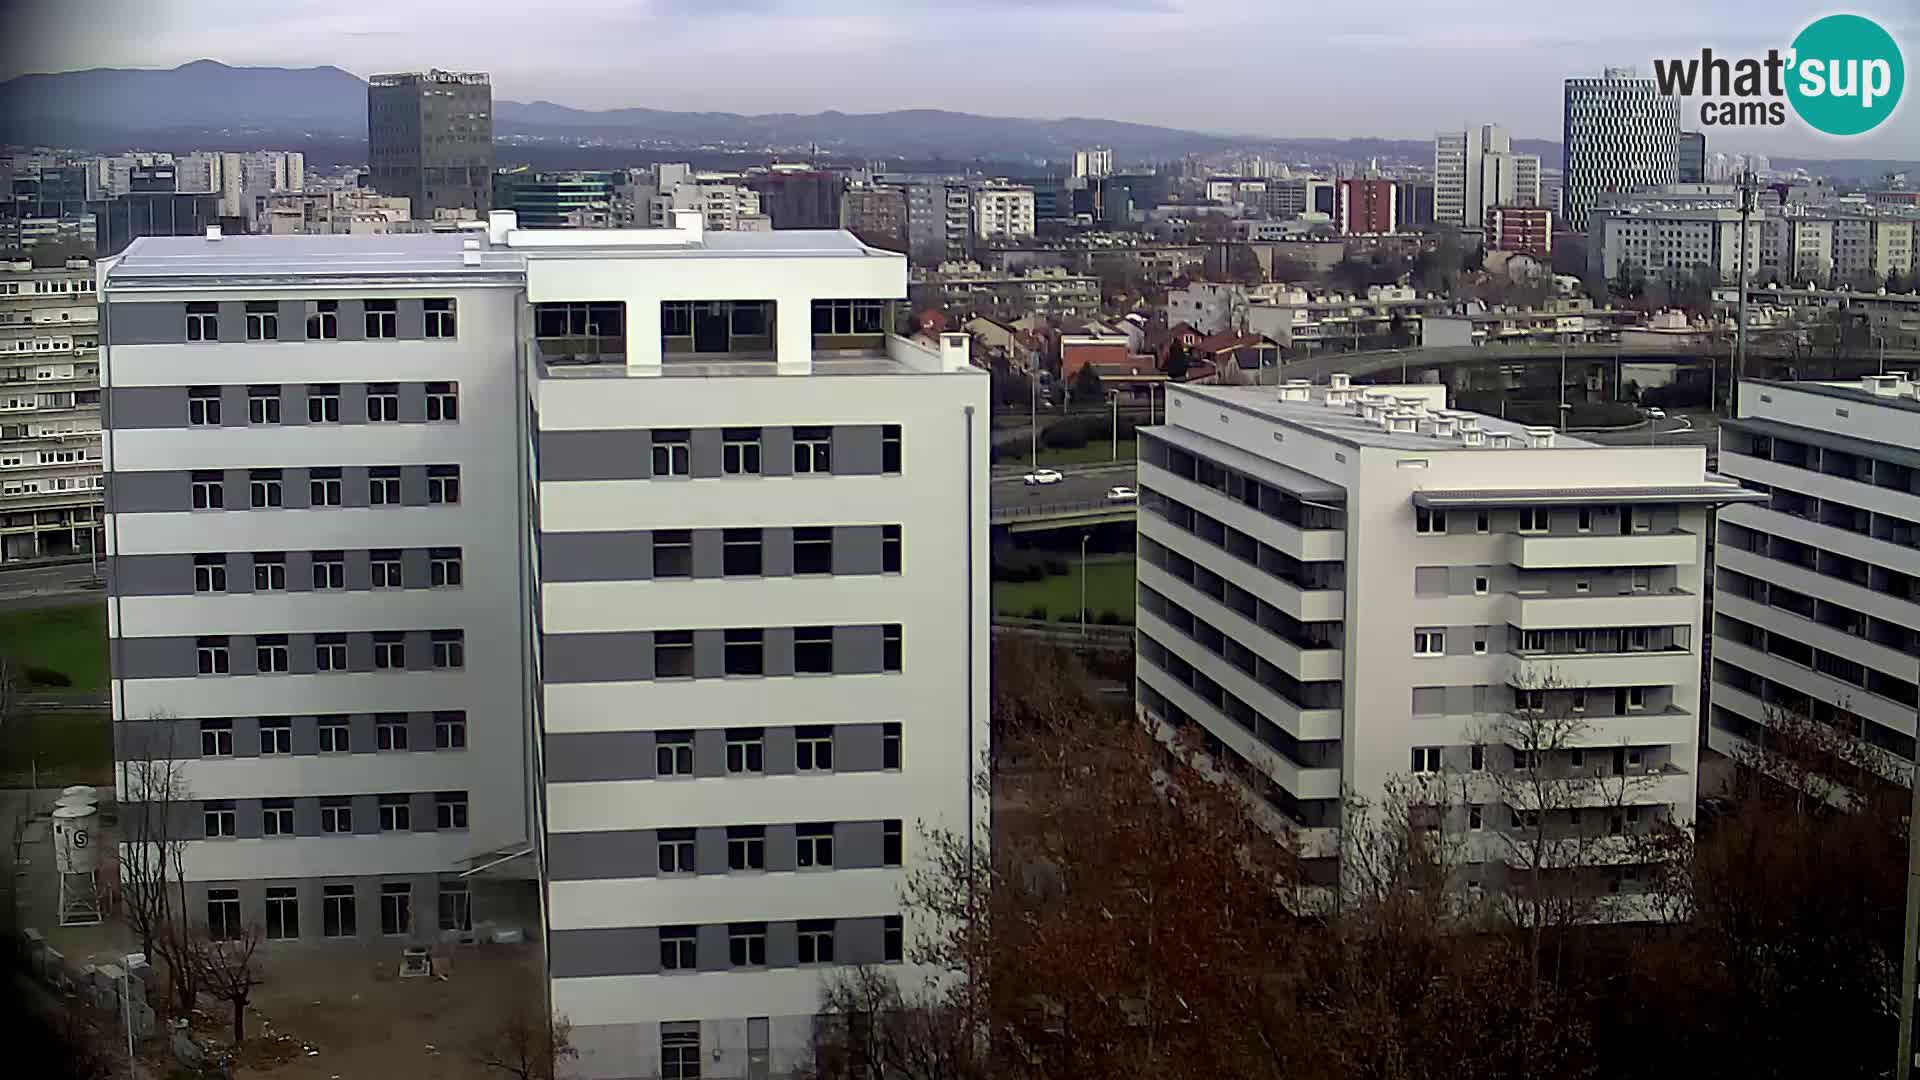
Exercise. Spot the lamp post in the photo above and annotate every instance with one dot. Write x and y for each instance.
(1084, 537)
(1114, 397)
(1033, 417)
(1563, 383)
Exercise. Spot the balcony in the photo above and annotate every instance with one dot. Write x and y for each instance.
(1667, 667)
(1539, 612)
(1542, 552)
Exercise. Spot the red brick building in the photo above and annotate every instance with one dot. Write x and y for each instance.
(1527, 229)
(1366, 207)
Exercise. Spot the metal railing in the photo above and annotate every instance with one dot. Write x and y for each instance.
(1063, 509)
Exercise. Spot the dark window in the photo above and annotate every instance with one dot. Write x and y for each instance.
(449, 731)
(323, 403)
(218, 816)
(283, 911)
(893, 939)
(680, 1052)
(383, 403)
(740, 451)
(892, 842)
(675, 850)
(329, 570)
(746, 750)
(276, 735)
(390, 651)
(891, 647)
(324, 487)
(443, 484)
(890, 448)
(264, 489)
(815, 846)
(813, 749)
(396, 813)
(450, 810)
(269, 571)
(330, 652)
(383, 485)
(383, 318)
(440, 322)
(747, 944)
(211, 654)
(889, 549)
(443, 401)
(223, 914)
(745, 652)
(671, 452)
(890, 746)
(443, 567)
(203, 322)
(673, 753)
(813, 650)
(672, 553)
(813, 550)
(336, 737)
(336, 907)
(678, 950)
(396, 907)
(216, 738)
(203, 406)
(816, 941)
(449, 649)
(740, 552)
(390, 731)
(673, 654)
(209, 491)
(263, 320)
(210, 573)
(746, 847)
(812, 450)
(276, 817)
(263, 404)
(323, 320)
(456, 907)
(385, 566)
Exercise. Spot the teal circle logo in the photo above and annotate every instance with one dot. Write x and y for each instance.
(1847, 75)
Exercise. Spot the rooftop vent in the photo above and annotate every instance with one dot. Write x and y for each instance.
(1413, 403)
(1340, 380)
(1540, 438)
(1472, 437)
(1499, 440)
(1882, 385)
(213, 232)
(1443, 427)
(1403, 423)
(1295, 390)
(470, 252)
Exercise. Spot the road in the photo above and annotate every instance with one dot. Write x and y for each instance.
(46, 586)
(1082, 484)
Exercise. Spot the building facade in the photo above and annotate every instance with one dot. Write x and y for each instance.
(798, 198)
(430, 138)
(1525, 229)
(49, 411)
(1619, 134)
(1476, 170)
(1693, 157)
(1368, 207)
(1675, 232)
(1002, 211)
(877, 215)
(554, 579)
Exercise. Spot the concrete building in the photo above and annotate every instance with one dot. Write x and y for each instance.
(1093, 164)
(1367, 207)
(1693, 157)
(1672, 232)
(1620, 134)
(49, 411)
(430, 138)
(1047, 290)
(724, 202)
(332, 213)
(1346, 585)
(877, 215)
(1526, 229)
(556, 200)
(1817, 598)
(798, 196)
(632, 581)
(1476, 170)
(1002, 211)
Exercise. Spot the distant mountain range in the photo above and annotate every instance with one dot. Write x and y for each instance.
(207, 104)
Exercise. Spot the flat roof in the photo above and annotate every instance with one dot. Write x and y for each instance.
(1705, 492)
(1342, 425)
(1848, 393)
(185, 260)
(731, 369)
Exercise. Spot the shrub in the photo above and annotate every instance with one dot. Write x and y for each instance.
(1038, 613)
(40, 676)
(1111, 618)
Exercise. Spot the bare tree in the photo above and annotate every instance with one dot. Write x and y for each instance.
(151, 865)
(228, 968)
(868, 1029)
(529, 1043)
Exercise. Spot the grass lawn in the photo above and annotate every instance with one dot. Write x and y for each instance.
(1109, 588)
(1099, 452)
(71, 640)
(70, 746)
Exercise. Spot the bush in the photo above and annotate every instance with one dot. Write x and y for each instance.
(1038, 613)
(1675, 396)
(1067, 617)
(40, 676)
(1014, 566)
(1067, 436)
(1111, 618)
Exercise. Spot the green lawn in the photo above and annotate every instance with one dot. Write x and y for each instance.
(1109, 588)
(70, 640)
(68, 745)
(1098, 452)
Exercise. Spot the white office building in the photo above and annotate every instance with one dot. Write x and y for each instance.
(1003, 211)
(1476, 170)
(1817, 594)
(1675, 232)
(1620, 134)
(49, 411)
(1344, 585)
(636, 578)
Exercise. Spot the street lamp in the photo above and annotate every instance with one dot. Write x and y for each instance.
(1114, 397)
(1084, 537)
(1033, 417)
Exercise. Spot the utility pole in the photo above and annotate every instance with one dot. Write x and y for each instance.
(1084, 537)
(1033, 417)
(1740, 331)
(1115, 398)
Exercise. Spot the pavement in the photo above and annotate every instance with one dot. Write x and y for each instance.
(47, 586)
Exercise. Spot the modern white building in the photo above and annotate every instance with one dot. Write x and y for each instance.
(1003, 211)
(1620, 134)
(1344, 585)
(1094, 163)
(49, 411)
(1673, 232)
(1476, 170)
(1817, 594)
(641, 571)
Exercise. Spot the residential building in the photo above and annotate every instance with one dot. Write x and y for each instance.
(1526, 229)
(1002, 211)
(1343, 588)
(751, 526)
(1817, 595)
(1042, 290)
(1476, 170)
(430, 138)
(877, 215)
(725, 203)
(1367, 207)
(798, 197)
(1693, 157)
(1093, 164)
(49, 410)
(1674, 232)
(332, 212)
(1620, 134)
(44, 202)
(1413, 204)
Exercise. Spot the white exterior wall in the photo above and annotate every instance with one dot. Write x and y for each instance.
(49, 411)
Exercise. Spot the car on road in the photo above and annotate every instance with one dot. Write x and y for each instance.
(1657, 414)
(1122, 494)
(1042, 476)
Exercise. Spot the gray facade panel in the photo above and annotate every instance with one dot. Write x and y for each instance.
(857, 650)
(782, 848)
(783, 945)
(703, 453)
(354, 492)
(577, 954)
(420, 730)
(580, 658)
(293, 404)
(300, 659)
(293, 320)
(412, 324)
(709, 751)
(299, 571)
(138, 740)
(233, 321)
(778, 755)
(160, 492)
(711, 946)
(353, 323)
(857, 845)
(422, 810)
(856, 747)
(246, 817)
(589, 856)
(359, 569)
(233, 406)
(240, 572)
(359, 652)
(366, 817)
(856, 450)
(306, 729)
(776, 451)
(777, 646)
(246, 736)
(709, 654)
(133, 407)
(353, 402)
(144, 324)
(776, 552)
(413, 485)
(594, 455)
(306, 810)
(586, 756)
(856, 549)
(710, 850)
(151, 575)
(859, 941)
(413, 401)
(157, 658)
(597, 556)
(707, 553)
(360, 732)
(419, 646)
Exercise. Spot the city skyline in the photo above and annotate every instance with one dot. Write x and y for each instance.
(1143, 61)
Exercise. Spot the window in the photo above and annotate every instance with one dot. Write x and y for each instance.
(396, 813)
(1530, 700)
(740, 451)
(383, 318)
(323, 403)
(680, 1050)
(396, 907)
(216, 738)
(1583, 586)
(676, 851)
(892, 842)
(1586, 519)
(1475, 819)
(209, 573)
(323, 320)
(336, 911)
(889, 549)
(219, 818)
(276, 817)
(324, 487)
(676, 319)
(813, 650)
(269, 571)
(440, 322)
(1426, 759)
(203, 406)
(276, 735)
(390, 731)
(210, 653)
(1642, 580)
(330, 652)
(673, 753)
(209, 492)
(1582, 641)
(1482, 522)
(745, 652)
(671, 452)
(1481, 586)
(840, 317)
(443, 402)
(1533, 520)
(890, 647)
(1578, 703)
(890, 746)
(673, 654)
(383, 403)
(336, 736)
(813, 550)
(812, 450)
(336, 815)
(1429, 522)
(203, 322)
(672, 553)
(263, 489)
(740, 553)
(385, 566)
(263, 404)
(815, 846)
(456, 908)
(443, 568)
(813, 749)
(449, 731)
(1479, 756)
(1638, 639)
(389, 651)
(1632, 699)
(450, 810)
(1639, 519)
(443, 485)
(746, 847)
(747, 944)
(816, 941)
(1429, 642)
(890, 448)
(223, 914)
(329, 569)
(746, 750)
(449, 649)
(283, 912)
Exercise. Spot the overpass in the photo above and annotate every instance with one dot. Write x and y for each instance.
(1392, 361)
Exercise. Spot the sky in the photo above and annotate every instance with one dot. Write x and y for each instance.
(1386, 68)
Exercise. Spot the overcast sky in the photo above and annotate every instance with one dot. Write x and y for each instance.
(1390, 68)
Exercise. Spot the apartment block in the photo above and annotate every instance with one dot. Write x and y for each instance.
(1343, 587)
(1475, 170)
(1817, 589)
(49, 411)
(626, 585)
(1002, 211)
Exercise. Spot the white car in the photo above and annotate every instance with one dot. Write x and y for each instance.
(1122, 494)
(1043, 476)
(1657, 414)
